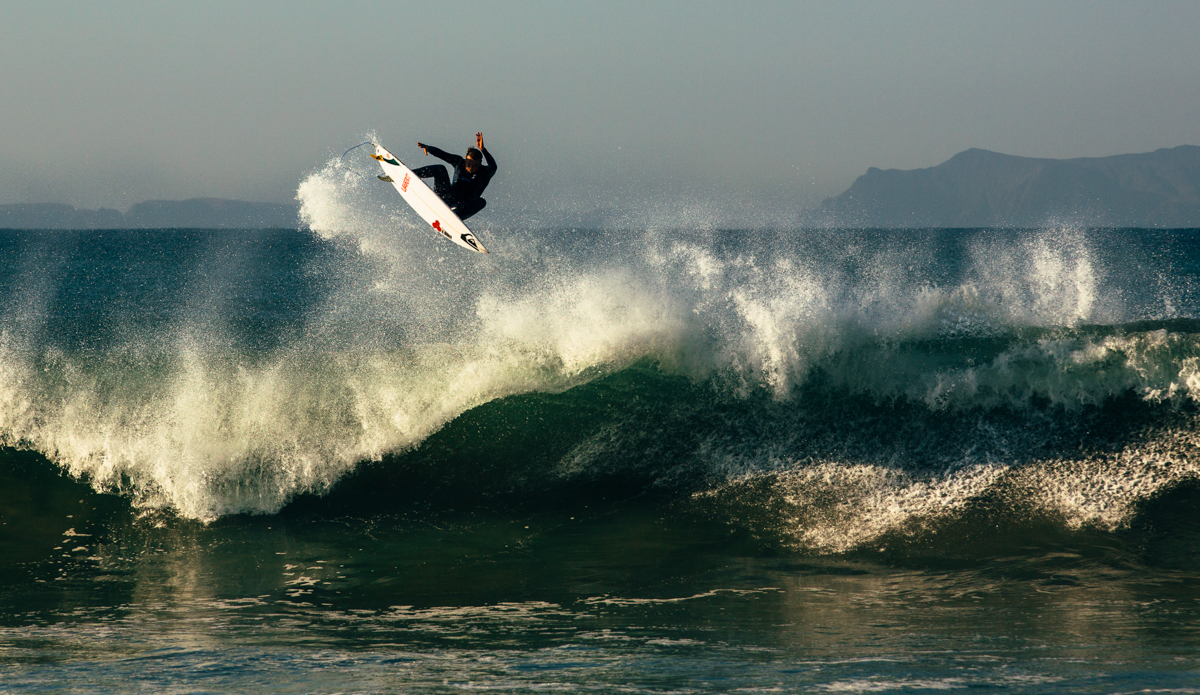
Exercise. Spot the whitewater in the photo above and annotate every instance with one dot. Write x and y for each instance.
(188, 379)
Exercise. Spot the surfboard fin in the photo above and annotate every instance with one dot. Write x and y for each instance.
(385, 178)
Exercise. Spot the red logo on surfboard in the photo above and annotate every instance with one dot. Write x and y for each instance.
(404, 185)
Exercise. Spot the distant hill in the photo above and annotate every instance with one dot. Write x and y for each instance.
(200, 213)
(978, 188)
(57, 216)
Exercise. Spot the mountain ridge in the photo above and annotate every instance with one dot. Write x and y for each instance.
(981, 188)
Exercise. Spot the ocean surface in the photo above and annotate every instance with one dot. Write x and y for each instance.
(667, 458)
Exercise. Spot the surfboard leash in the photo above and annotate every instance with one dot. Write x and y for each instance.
(341, 160)
(368, 142)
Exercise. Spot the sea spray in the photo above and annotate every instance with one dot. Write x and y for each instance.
(874, 379)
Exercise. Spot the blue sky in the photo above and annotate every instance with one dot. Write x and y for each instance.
(783, 103)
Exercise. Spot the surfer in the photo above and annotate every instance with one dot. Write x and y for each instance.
(471, 176)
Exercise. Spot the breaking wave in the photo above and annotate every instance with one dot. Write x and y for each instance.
(832, 388)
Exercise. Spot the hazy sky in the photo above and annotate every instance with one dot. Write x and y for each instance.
(112, 103)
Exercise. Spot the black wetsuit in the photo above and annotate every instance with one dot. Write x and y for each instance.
(463, 193)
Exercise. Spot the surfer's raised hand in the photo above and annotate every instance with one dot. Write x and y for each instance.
(479, 140)
(424, 148)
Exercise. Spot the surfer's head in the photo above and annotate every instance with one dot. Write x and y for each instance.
(474, 157)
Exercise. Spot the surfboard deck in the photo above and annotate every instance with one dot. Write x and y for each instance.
(425, 202)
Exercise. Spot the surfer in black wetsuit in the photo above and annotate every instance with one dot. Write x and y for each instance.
(471, 176)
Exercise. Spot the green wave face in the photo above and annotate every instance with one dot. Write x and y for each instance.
(819, 391)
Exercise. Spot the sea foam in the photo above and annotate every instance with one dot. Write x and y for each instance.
(412, 333)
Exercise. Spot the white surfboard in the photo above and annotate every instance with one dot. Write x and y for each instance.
(427, 204)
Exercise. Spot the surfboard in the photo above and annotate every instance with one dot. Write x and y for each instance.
(425, 202)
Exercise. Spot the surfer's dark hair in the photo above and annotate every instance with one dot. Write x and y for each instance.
(474, 153)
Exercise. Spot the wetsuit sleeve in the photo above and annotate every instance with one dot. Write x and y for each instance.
(444, 155)
(491, 161)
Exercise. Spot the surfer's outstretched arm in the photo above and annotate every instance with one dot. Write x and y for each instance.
(441, 154)
(489, 160)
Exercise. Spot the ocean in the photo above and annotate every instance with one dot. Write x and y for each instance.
(666, 458)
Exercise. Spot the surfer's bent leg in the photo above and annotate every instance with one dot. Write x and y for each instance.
(469, 208)
(441, 179)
